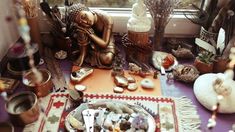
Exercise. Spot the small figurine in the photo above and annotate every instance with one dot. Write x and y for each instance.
(92, 30)
(139, 22)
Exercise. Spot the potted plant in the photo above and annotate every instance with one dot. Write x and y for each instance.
(212, 16)
(204, 62)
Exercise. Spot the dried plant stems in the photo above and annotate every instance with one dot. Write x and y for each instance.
(160, 11)
(204, 15)
(30, 8)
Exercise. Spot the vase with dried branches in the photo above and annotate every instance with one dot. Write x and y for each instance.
(160, 11)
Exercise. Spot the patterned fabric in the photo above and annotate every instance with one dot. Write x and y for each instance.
(175, 114)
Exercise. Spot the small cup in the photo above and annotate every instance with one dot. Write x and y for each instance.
(23, 108)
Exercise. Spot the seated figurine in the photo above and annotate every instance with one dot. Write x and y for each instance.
(93, 34)
(139, 22)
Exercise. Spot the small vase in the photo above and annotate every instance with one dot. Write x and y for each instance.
(158, 40)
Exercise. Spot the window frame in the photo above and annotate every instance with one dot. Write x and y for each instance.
(179, 26)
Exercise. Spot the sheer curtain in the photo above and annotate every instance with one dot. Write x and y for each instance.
(8, 27)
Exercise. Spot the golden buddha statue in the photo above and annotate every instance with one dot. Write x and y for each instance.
(93, 34)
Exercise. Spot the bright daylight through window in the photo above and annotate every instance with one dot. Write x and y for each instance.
(183, 4)
(120, 10)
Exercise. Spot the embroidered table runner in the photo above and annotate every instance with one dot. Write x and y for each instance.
(175, 114)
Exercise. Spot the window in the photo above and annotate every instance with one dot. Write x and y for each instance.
(120, 10)
(183, 4)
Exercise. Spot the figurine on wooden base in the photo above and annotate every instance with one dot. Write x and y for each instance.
(136, 41)
(139, 24)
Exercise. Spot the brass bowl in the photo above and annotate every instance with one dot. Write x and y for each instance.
(42, 89)
(22, 108)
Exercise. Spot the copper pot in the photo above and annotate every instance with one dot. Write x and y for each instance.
(42, 89)
(23, 108)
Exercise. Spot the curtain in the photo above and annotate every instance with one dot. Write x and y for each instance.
(8, 27)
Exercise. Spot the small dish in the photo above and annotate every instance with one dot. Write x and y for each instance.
(61, 55)
(157, 58)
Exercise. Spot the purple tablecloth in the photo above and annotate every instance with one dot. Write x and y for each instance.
(177, 89)
(174, 89)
